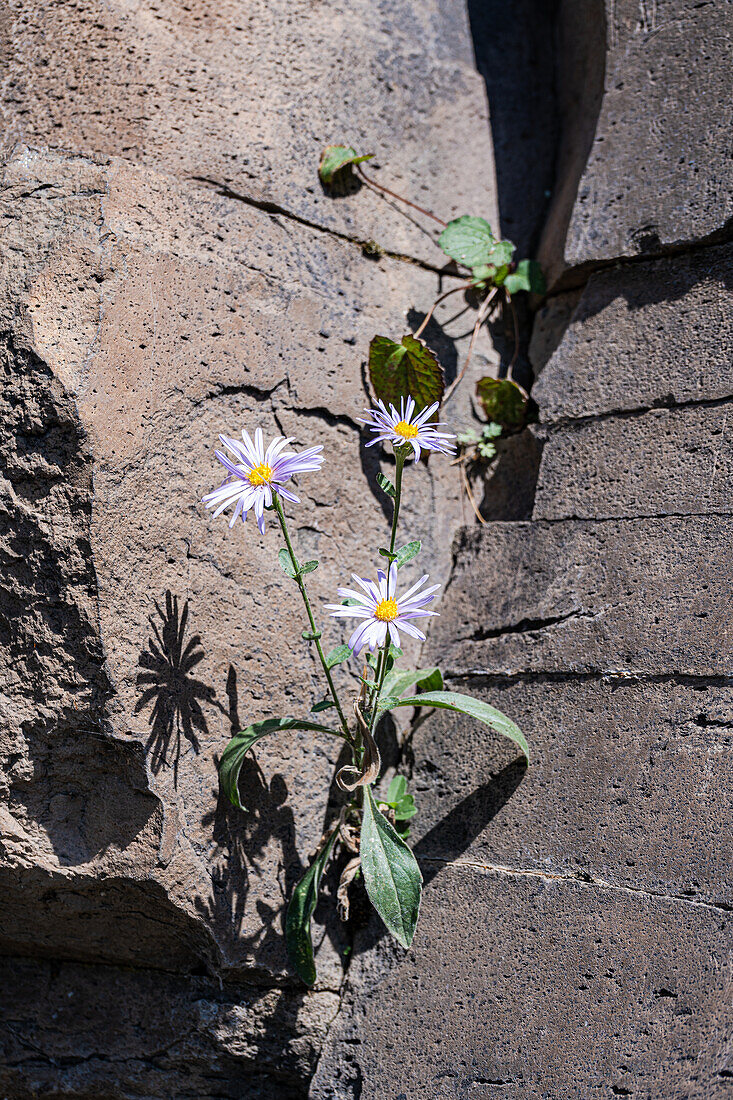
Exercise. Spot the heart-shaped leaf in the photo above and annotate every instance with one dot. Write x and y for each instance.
(474, 708)
(503, 401)
(235, 752)
(468, 240)
(300, 910)
(527, 276)
(335, 158)
(407, 369)
(391, 874)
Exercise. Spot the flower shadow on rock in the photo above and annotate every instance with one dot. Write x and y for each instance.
(165, 681)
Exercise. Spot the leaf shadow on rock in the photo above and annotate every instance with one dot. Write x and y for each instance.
(166, 684)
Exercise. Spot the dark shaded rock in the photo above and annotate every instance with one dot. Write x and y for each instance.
(112, 1034)
(528, 985)
(649, 334)
(665, 462)
(628, 784)
(630, 597)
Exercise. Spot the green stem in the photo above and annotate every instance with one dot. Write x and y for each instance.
(301, 585)
(400, 464)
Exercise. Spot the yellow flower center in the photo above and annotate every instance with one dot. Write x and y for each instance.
(386, 610)
(260, 475)
(407, 431)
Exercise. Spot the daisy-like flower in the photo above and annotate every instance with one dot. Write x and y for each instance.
(403, 427)
(255, 474)
(380, 609)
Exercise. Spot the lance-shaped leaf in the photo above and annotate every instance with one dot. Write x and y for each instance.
(386, 485)
(528, 276)
(474, 708)
(338, 654)
(468, 240)
(425, 679)
(503, 401)
(300, 910)
(407, 552)
(235, 752)
(335, 158)
(407, 369)
(391, 874)
(286, 563)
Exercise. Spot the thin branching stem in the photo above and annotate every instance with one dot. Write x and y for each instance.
(301, 585)
(516, 330)
(400, 198)
(431, 311)
(482, 315)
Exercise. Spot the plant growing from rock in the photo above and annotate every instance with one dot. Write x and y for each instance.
(409, 366)
(372, 825)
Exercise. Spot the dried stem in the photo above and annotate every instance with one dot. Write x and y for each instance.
(431, 311)
(469, 494)
(482, 315)
(392, 194)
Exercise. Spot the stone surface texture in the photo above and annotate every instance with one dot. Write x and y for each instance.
(171, 269)
(575, 932)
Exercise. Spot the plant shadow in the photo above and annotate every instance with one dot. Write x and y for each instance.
(166, 684)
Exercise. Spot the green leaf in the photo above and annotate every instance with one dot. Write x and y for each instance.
(335, 158)
(527, 276)
(337, 655)
(387, 554)
(482, 275)
(386, 702)
(286, 563)
(503, 401)
(501, 253)
(325, 704)
(300, 910)
(426, 679)
(235, 752)
(386, 485)
(394, 651)
(407, 369)
(468, 240)
(397, 789)
(391, 874)
(309, 566)
(350, 601)
(405, 808)
(474, 708)
(311, 635)
(407, 552)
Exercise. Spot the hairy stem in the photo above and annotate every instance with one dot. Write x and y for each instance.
(301, 585)
(393, 194)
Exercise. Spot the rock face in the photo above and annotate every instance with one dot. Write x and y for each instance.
(170, 269)
(577, 912)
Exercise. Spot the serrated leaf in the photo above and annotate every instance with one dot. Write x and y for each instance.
(325, 704)
(527, 276)
(468, 240)
(286, 563)
(474, 708)
(386, 485)
(391, 874)
(501, 253)
(407, 552)
(300, 910)
(503, 401)
(335, 158)
(407, 369)
(235, 752)
(425, 679)
(397, 789)
(337, 655)
(309, 566)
